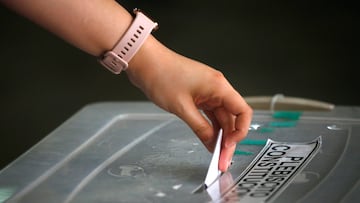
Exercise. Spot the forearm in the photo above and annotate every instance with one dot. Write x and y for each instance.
(176, 83)
(93, 26)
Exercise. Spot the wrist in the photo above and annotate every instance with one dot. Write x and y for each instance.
(149, 62)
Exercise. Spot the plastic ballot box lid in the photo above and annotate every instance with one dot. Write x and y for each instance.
(135, 152)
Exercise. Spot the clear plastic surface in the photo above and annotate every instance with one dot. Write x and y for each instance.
(116, 152)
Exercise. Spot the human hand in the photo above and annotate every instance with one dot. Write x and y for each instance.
(184, 86)
(173, 82)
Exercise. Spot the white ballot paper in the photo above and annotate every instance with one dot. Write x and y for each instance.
(213, 171)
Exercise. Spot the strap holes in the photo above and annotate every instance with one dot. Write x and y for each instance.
(127, 49)
(123, 52)
(141, 27)
(138, 31)
(130, 45)
(136, 36)
(132, 39)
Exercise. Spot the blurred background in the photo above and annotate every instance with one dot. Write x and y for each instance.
(293, 47)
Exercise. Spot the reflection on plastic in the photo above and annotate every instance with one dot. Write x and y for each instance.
(220, 186)
(306, 176)
(334, 127)
(126, 171)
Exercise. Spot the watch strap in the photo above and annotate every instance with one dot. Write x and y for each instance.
(117, 59)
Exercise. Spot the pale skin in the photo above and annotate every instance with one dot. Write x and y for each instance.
(174, 82)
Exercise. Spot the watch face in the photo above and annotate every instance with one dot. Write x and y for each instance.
(113, 62)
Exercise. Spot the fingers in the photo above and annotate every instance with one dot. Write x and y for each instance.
(216, 127)
(226, 154)
(230, 112)
(234, 117)
(243, 115)
(226, 121)
(197, 122)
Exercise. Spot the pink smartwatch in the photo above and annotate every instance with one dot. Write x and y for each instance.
(117, 59)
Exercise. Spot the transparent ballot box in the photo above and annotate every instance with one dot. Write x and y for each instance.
(135, 152)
